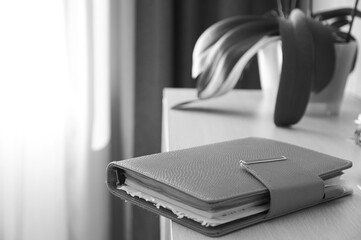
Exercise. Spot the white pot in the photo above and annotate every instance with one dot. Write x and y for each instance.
(329, 100)
(270, 64)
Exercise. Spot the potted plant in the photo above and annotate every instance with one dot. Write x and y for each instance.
(308, 48)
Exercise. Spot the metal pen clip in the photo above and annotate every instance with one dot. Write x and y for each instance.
(244, 163)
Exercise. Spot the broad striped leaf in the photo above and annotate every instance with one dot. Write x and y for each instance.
(297, 70)
(227, 50)
(211, 35)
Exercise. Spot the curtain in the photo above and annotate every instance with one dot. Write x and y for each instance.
(33, 79)
(88, 118)
(54, 120)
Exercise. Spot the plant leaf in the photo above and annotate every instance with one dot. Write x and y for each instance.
(325, 15)
(339, 22)
(324, 54)
(211, 35)
(227, 50)
(296, 76)
(237, 70)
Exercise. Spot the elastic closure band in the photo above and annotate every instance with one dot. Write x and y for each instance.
(291, 187)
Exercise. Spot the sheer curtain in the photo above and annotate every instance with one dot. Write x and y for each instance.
(54, 120)
(33, 99)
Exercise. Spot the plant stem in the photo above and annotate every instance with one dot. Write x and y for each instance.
(352, 19)
(310, 8)
(280, 8)
(286, 5)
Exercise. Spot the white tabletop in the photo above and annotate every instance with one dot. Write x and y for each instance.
(246, 113)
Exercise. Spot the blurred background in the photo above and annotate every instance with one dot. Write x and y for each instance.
(81, 85)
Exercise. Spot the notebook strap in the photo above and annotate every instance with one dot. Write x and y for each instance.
(291, 187)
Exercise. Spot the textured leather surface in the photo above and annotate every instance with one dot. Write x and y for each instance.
(212, 173)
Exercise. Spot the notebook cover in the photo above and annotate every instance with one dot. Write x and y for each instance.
(212, 174)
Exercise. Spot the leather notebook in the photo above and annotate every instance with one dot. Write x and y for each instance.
(223, 187)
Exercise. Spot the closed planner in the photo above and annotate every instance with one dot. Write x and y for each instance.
(219, 188)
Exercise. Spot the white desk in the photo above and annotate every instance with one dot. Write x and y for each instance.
(249, 113)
